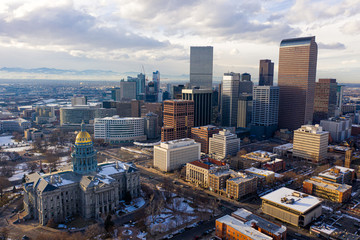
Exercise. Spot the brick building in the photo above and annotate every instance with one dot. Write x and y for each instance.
(202, 135)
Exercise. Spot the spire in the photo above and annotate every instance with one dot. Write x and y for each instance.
(82, 126)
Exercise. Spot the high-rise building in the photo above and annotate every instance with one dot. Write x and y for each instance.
(338, 128)
(78, 100)
(156, 81)
(224, 144)
(171, 155)
(117, 130)
(201, 67)
(151, 125)
(244, 111)
(127, 90)
(177, 91)
(202, 135)
(115, 94)
(297, 73)
(229, 99)
(265, 111)
(310, 143)
(178, 119)
(266, 73)
(245, 84)
(202, 104)
(140, 84)
(325, 99)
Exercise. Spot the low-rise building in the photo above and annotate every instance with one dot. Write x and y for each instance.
(228, 227)
(293, 207)
(277, 232)
(338, 174)
(198, 171)
(275, 165)
(284, 150)
(241, 185)
(310, 143)
(268, 175)
(171, 155)
(33, 134)
(335, 192)
(14, 125)
(224, 144)
(255, 159)
(217, 180)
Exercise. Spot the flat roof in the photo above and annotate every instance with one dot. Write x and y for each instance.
(243, 228)
(259, 171)
(261, 156)
(330, 173)
(300, 204)
(329, 185)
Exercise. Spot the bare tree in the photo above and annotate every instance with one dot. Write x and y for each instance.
(4, 233)
(4, 183)
(31, 166)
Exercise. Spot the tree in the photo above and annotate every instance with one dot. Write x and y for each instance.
(4, 183)
(17, 136)
(4, 233)
(31, 166)
(108, 224)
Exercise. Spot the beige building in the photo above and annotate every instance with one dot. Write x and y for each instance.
(241, 185)
(268, 175)
(310, 143)
(171, 155)
(198, 171)
(293, 207)
(224, 144)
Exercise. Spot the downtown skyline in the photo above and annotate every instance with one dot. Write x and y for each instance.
(122, 36)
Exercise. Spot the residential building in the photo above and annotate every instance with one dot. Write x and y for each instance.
(265, 111)
(310, 143)
(89, 189)
(338, 128)
(202, 105)
(293, 207)
(297, 73)
(224, 144)
(325, 102)
(276, 231)
(229, 99)
(127, 90)
(241, 185)
(203, 134)
(117, 130)
(266, 72)
(171, 155)
(228, 227)
(217, 180)
(335, 192)
(275, 165)
(338, 174)
(198, 171)
(201, 67)
(245, 105)
(151, 125)
(178, 119)
(268, 175)
(256, 159)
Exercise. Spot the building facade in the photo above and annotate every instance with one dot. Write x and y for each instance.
(266, 73)
(325, 102)
(224, 144)
(127, 90)
(338, 174)
(171, 155)
(151, 125)
(241, 185)
(338, 128)
(201, 67)
(89, 190)
(297, 73)
(178, 119)
(116, 130)
(310, 143)
(229, 99)
(245, 105)
(203, 134)
(202, 105)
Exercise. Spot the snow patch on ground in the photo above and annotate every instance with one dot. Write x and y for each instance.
(5, 140)
(17, 149)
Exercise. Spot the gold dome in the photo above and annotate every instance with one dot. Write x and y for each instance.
(83, 137)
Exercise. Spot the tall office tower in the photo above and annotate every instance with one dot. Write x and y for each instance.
(177, 91)
(310, 143)
(115, 94)
(201, 67)
(151, 125)
(246, 77)
(140, 84)
(339, 99)
(244, 111)
(219, 97)
(297, 72)
(266, 73)
(325, 99)
(156, 81)
(245, 84)
(265, 111)
(178, 119)
(127, 90)
(229, 99)
(202, 104)
(223, 144)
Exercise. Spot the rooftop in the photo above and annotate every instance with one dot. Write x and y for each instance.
(286, 146)
(178, 143)
(260, 156)
(207, 163)
(314, 129)
(116, 117)
(296, 41)
(292, 199)
(243, 228)
(259, 171)
(329, 185)
(335, 172)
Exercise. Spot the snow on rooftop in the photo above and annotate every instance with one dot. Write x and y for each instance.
(301, 202)
(243, 228)
(259, 171)
(284, 146)
(109, 169)
(330, 173)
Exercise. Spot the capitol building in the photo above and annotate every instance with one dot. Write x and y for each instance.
(89, 189)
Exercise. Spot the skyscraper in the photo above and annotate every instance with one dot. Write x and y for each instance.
(201, 67)
(202, 105)
(178, 119)
(297, 73)
(265, 111)
(244, 111)
(266, 73)
(127, 90)
(245, 84)
(156, 80)
(325, 99)
(229, 99)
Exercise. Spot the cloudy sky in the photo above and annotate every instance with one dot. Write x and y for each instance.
(123, 35)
